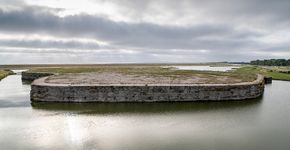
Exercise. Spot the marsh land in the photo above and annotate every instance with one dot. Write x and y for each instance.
(244, 73)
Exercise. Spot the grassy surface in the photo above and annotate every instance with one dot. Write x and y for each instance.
(267, 71)
(31, 66)
(5, 73)
(246, 72)
(151, 70)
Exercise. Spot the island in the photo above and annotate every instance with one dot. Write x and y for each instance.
(145, 84)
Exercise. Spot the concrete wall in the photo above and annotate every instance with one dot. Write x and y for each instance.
(31, 76)
(41, 91)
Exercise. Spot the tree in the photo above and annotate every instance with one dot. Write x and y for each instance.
(271, 62)
(288, 62)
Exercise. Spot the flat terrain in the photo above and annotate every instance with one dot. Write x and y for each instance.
(43, 66)
(140, 74)
(269, 71)
(121, 78)
(243, 74)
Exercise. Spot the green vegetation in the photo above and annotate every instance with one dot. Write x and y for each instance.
(271, 62)
(37, 66)
(245, 73)
(5, 73)
(273, 72)
(62, 70)
(151, 70)
(128, 69)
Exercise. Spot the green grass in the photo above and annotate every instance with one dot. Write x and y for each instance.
(151, 70)
(63, 70)
(5, 73)
(31, 66)
(269, 72)
(246, 72)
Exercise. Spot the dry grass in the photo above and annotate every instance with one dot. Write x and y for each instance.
(154, 71)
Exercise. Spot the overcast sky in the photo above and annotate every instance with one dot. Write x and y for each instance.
(137, 31)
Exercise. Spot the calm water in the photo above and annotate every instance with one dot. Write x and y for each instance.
(237, 125)
(207, 68)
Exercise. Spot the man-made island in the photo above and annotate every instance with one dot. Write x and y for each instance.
(145, 84)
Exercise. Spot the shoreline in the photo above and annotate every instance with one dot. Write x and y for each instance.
(5, 73)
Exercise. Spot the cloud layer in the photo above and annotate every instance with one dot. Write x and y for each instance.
(144, 31)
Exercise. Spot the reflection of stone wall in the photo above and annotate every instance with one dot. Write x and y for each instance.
(41, 91)
(30, 76)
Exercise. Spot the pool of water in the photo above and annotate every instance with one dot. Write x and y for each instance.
(207, 68)
(19, 71)
(233, 125)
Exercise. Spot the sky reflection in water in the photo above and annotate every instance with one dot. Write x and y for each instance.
(251, 124)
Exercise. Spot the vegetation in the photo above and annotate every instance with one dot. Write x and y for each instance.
(266, 71)
(5, 73)
(152, 70)
(271, 62)
(245, 73)
(38, 66)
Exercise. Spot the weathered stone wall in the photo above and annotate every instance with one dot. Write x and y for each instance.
(31, 76)
(41, 91)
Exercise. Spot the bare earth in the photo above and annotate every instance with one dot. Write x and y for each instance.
(119, 78)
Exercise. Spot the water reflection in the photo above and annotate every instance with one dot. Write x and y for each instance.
(253, 124)
(104, 108)
(18, 72)
(13, 93)
(207, 68)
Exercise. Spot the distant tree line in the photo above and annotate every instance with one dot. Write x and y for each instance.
(241, 63)
(271, 62)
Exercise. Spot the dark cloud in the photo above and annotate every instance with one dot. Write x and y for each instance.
(157, 30)
(51, 44)
(254, 12)
(143, 35)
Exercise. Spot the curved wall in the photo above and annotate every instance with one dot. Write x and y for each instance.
(42, 91)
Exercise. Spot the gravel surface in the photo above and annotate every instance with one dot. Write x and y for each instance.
(119, 78)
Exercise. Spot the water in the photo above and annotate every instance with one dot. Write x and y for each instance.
(19, 71)
(235, 125)
(206, 68)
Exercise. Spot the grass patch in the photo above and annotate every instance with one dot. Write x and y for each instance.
(5, 73)
(245, 73)
(138, 70)
(152, 70)
(268, 71)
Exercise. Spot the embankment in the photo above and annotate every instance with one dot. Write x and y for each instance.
(31, 76)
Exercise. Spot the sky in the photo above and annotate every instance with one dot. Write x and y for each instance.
(139, 31)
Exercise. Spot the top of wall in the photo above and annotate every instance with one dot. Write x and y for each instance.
(109, 80)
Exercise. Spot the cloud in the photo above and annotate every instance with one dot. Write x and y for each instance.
(254, 12)
(152, 30)
(137, 35)
(48, 44)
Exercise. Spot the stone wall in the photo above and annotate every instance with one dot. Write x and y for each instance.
(41, 91)
(31, 76)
